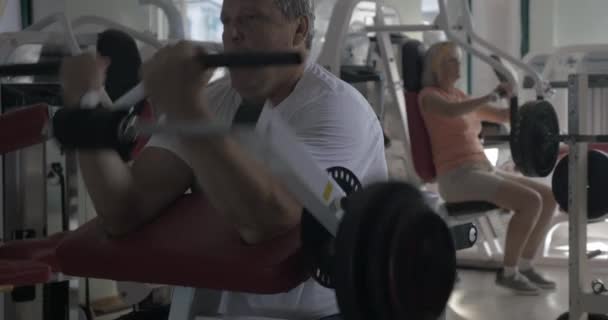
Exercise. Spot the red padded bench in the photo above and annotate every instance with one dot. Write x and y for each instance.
(24, 272)
(190, 245)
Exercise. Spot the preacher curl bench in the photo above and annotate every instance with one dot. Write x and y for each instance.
(391, 256)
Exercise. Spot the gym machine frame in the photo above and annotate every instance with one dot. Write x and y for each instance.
(36, 34)
(23, 168)
(581, 301)
(334, 43)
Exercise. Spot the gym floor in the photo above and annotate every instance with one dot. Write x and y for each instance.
(476, 297)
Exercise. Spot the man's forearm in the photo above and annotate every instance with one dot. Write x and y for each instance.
(241, 187)
(109, 183)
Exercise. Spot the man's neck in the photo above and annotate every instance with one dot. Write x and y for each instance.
(286, 87)
(447, 86)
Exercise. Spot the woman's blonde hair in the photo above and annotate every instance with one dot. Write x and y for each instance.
(432, 61)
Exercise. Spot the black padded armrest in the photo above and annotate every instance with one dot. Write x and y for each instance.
(493, 129)
(467, 208)
(396, 38)
(358, 74)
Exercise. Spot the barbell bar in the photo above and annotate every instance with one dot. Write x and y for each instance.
(230, 60)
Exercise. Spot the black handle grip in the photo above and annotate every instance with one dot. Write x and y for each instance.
(231, 60)
(251, 59)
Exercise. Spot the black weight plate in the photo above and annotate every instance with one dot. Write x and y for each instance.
(538, 139)
(351, 259)
(565, 316)
(423, 265)
(514, 138)
(597, 182)
(317, 242)
(379, 251)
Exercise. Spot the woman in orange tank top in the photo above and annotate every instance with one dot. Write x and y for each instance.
(464, 173)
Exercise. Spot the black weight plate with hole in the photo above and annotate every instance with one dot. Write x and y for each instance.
(317, 242)
(423, 265)
(515, 136)
(565, 316)
(351, 259)
(537, 139)
(379, 252)
(597, 182)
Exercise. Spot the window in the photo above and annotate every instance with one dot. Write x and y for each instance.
(430, 10)
(364, 14)
(203, 20)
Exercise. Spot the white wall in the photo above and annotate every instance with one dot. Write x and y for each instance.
(565, 22)
(542, 26)
(10, 20)
(44, 8)
(126, 12)
(498, 22)
(409, 10)
(581, 21)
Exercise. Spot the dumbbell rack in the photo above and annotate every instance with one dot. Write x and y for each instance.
(581, 300)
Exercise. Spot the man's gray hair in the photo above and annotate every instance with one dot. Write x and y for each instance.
(293, 9)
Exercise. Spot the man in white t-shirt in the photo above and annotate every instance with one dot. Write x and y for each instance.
(330, 119)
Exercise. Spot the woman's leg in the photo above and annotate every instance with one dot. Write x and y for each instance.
(480, 185)
(525, 202)
(538, 232)
(548, 210)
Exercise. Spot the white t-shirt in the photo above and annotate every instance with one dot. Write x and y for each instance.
(336, 124)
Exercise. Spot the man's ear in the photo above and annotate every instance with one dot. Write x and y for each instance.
(302, 32)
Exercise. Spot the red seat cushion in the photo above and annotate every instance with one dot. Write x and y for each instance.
(23, 127)
(40, 250)
(419, 138)
(190, 245)
(23, 272)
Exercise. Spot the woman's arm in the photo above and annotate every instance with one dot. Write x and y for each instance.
(494, 114)
(433, 102)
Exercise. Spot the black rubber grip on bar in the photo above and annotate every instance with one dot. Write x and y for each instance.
(231, 60)
(250, 59)
(92, 129)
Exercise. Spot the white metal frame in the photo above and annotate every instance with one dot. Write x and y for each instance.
(104, 22)
(490, 248)
(581, 300)
(174, 16)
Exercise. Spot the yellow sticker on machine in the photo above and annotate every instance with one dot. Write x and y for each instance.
(329, 188)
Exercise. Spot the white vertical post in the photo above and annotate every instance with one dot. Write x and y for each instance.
(182, 303)
(395, 86)
(577, 194)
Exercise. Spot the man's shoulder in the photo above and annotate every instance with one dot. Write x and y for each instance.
(221, 85)
(323, 86)
(223, 99)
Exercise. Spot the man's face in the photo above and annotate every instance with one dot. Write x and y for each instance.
(257, 25)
